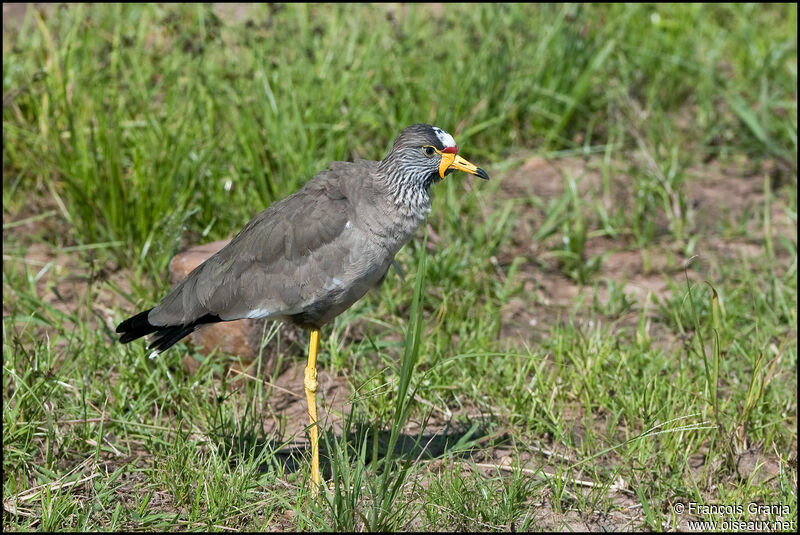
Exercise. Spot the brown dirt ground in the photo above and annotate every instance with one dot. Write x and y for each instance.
(714, 194)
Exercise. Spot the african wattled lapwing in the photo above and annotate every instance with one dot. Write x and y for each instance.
(310, 256)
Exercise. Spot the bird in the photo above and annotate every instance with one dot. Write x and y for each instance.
(308, 257)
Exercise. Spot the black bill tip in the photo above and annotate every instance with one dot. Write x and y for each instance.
(482, 174)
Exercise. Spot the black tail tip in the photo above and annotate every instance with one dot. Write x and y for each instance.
(135, 327)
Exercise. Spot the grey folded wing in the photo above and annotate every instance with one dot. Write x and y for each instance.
(283, 257)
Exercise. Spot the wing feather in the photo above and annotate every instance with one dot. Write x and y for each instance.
(256, 270)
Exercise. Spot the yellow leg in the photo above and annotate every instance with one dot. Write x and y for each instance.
(310, 384)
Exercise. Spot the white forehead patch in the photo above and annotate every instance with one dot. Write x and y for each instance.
(446, 139)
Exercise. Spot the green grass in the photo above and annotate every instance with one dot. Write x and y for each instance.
(522, 376)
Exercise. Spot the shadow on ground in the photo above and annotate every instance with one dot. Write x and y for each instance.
(454, 440)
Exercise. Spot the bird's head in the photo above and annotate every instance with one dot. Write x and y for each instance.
(423, 155)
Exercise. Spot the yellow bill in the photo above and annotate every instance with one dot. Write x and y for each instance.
(451, 160)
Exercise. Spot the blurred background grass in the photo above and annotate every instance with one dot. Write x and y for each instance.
(146, 120)
(131, 131)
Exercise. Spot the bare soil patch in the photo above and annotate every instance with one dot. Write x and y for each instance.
(716, 196)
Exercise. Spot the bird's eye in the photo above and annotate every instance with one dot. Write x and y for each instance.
(428, 151)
